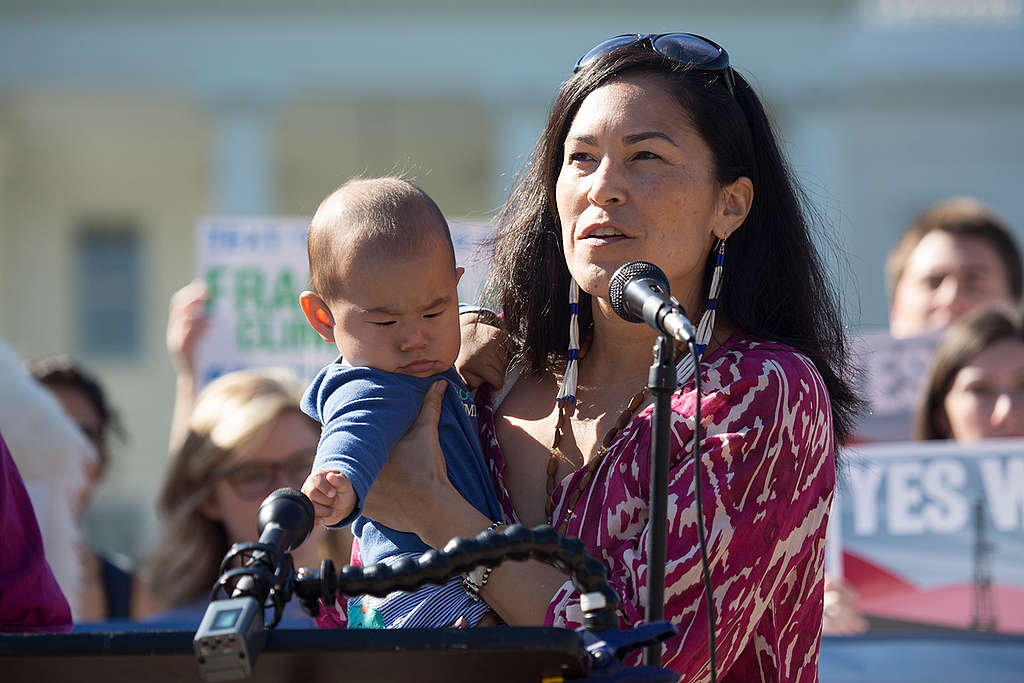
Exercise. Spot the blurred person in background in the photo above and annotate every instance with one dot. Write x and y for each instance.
(956, 257)
(975, 388)
(246, 437)
(51, 455)
(108, 583)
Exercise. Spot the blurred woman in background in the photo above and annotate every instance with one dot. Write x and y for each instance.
(975, 388)
(109, 589)
(246, 437)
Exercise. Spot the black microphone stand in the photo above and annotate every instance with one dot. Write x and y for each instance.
(662, 382)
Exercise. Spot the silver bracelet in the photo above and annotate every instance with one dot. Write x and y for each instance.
(475, 580)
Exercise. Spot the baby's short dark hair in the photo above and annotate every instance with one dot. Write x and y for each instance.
(388, 216)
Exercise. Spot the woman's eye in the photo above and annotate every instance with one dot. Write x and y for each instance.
(640, 156)
(978, 389)
(580, 157)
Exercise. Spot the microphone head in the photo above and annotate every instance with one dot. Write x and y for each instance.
(636, 270)
(291, 510)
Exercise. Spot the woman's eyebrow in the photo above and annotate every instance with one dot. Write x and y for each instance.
(634, 138)
(630, 139)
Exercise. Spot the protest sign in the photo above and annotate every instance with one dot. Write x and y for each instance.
(255, 268)
(893, 372)
(932, 532)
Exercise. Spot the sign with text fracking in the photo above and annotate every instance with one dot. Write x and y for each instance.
(255, 268)
(933, 532)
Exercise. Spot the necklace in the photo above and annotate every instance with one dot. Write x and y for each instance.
(565, 410)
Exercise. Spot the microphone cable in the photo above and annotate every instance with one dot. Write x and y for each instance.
(701, 540)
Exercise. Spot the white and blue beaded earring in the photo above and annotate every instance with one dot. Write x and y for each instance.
(684, 368)
(567, 392)
(706, 326)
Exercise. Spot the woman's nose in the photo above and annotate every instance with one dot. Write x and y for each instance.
(606, 185)
(1007, 412)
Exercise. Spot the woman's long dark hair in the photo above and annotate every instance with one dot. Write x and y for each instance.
(775, 286)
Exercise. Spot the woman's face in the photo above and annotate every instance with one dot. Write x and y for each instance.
(83, 413)
(283, 459)
(987, 397)
(638, 183)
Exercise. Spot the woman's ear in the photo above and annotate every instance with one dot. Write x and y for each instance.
(317, 314)
(209, 507)
(737, 198)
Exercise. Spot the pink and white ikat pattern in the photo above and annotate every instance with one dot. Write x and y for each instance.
(768, 480)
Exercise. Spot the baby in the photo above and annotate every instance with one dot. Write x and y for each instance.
(383, 266)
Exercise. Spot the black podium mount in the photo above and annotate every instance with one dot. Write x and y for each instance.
(496, 654)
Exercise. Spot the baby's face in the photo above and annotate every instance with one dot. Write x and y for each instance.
(400, 315)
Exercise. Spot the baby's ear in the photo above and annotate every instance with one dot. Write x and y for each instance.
(317, 314)
(459, 272)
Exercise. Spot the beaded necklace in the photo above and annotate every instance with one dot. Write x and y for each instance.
(625, 417)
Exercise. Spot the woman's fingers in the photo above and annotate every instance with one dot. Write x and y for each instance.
(414, 467)
(483, 356)
(430, 413)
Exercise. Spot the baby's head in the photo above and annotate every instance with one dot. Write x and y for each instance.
(382, 265)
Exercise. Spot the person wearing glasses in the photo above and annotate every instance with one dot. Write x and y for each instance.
(246, 438)
(657, 150)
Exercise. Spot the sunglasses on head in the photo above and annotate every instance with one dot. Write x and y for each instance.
(684, 48)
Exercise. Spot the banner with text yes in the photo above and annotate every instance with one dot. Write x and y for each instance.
(933, 532)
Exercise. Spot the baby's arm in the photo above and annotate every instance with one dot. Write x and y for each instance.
(332, 495)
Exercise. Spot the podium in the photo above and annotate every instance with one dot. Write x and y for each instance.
(303, 656)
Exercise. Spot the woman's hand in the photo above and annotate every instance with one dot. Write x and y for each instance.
(414, 485)
(483, 357)
(186, 323)
(413, 494)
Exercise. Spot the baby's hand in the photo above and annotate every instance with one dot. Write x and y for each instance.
(483, 356)
(332, 495)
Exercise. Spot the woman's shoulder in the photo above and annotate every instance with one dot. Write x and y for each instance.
(751, 360)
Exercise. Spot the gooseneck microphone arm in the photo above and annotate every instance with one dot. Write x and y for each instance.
(232, 634)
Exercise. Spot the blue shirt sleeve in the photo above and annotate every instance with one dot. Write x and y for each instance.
(364, 413)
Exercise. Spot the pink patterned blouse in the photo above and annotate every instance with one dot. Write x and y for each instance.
(768, 480)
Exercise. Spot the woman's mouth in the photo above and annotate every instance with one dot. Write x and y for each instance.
(601, 235)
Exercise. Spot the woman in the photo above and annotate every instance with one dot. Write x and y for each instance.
(109, 589)
(656, 150)
(975, 388)
(246, 437)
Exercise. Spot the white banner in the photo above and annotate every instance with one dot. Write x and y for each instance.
(255, 268)
(932, 531)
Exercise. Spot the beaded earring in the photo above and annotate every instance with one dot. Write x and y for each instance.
(567, 392)
(684, 368)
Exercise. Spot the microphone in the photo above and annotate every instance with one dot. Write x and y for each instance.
(231, 635)
(639, 293)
